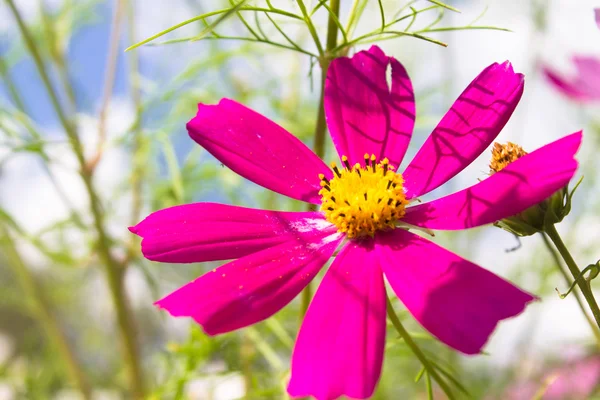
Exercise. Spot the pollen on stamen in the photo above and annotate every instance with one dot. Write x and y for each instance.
(360, 200)
(504, 154)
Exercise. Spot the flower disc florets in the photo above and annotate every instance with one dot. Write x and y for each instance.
(361, 200)
(504, 154)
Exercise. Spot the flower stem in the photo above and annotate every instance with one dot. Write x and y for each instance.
(584, 285)
(114, 271)
(43, 310)
(320, 129)
(429, 368)
(569, 282)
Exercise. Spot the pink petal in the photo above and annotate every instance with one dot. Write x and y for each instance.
(251, 288)
(468, 128)
(339, 350)
(454, 299)
(584, 86)
(522, 184)
(597, 16)
(363, 114)
(258, 149)
(569, 88)
(207, 231)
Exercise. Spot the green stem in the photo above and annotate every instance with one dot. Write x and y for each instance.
(430, 369)
(14, 93)
(45, 315)
(569, 282)
(311, 27)
(114, 270)
(58, 56)
(584, 285)
(246, 355)
(112, 59)
(321, 128)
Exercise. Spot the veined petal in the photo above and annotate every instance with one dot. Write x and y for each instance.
(468, 128)
(339, 350)
(252, 288)
(208, 231)
(457, 301)
(258, 149)
(364, 115)
(522, 184)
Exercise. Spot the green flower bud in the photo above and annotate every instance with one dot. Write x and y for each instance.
(534, 219)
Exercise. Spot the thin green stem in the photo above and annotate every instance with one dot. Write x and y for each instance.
(246, 356)
(114, 272)
(12, 89)
(584, 285)
(351, 15)
(58, 57)
(569, 282)
(311, 27)
(110, 75)
(210, 14)
(246, 39)
(45, 316)
(430, 369)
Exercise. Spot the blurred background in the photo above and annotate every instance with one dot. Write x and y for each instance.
(93, 138)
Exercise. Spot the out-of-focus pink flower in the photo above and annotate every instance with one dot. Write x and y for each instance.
(365, 210)
(575, 380)
(584, 85)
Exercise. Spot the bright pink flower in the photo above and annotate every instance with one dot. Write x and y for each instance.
(584, 86)
(339, 350)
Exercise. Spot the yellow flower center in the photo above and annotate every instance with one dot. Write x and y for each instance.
(362, 200)
(504, 154)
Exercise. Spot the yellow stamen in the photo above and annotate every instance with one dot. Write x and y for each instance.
(504, 154)
(361, 200)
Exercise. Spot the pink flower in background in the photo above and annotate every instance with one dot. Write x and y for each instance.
(584, 85)
(366, 210)
(575, 380)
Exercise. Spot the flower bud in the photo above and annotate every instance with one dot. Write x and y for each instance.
(535, 218)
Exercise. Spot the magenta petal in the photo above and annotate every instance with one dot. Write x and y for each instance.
(522, 184)
(339, 350)
(454, 299)
(363, 114)
(471, 124)
(569, 88)
(251, 288)
(208, 231)
(584, 86)
(258, 149)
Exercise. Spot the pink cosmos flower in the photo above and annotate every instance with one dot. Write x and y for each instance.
(584, 86)
(365, 210)
(574, 380)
